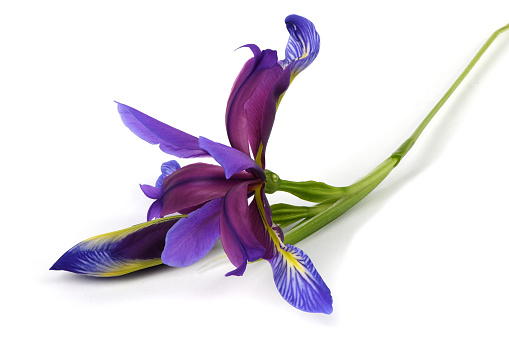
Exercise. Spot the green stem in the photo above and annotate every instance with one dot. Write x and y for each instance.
(407, 145)
(351, 195)
(313, 191)
(366, 185)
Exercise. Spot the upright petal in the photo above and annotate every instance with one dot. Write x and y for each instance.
(119, 252)
(303, 45)
(170, 140)
(298, 282)
(246, 115)
(239, 242)
(193, 237)
(232, 160)
(196, 184)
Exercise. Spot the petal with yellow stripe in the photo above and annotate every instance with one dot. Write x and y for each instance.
(120, 252)
(298, 282)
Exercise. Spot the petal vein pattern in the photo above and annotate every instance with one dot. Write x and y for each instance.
(303, 44)
(298, 282)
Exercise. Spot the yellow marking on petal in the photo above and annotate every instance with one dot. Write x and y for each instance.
(291, 260)
(261, 209)
(258, 158)
(282, 95)
(277, 242)
(130, 266)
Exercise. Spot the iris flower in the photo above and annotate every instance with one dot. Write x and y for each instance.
(227, 201)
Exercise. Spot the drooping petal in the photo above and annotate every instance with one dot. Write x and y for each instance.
(119, 252)
(239, 242)
(193, 237)
(167, 168)
(246, 115)
(298, 282)
(303, 45)
(232, 160)
(170, 140)
(196, 184)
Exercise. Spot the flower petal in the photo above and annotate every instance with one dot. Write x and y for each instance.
(151, 191)
(303, 45)
(196, 184)
(193, 237)
(248, 120)
(233, 161)
(119, 252)
(154, 211)
(260, 229)
(239, 242)
(170, 140)
(167, 168)
(298, 281)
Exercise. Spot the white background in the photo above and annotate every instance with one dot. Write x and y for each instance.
(424, 256)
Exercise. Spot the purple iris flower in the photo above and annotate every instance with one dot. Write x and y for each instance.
(216, 197)
(228, 202)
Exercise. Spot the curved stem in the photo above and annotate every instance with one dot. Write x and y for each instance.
(357, 191)
(366, 185)
(407, 145)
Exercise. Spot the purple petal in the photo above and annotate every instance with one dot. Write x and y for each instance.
(233, 161)
(303, 45)
(259, 228)
(151, 191)
(247, 119)
(196, 184)
(239, 241)
(170, 140)
(167, 168)
(154, 210)
(239, 271)
(119, 252)
(193, 237)
(298, 282)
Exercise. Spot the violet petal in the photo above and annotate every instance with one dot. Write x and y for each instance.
(303, 44)
(233, 161)
(170, 140)
(167, 169)
(151, 191)
(239, 242)
(154, 210)
(298, 282)
(193, 237)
